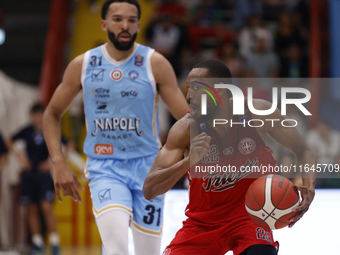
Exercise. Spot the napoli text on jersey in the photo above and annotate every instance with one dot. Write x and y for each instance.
(120, 100)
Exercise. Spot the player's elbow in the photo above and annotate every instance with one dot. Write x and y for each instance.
(51, 113)
(148, 190)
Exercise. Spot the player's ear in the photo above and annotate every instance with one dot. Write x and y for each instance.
(103, 25)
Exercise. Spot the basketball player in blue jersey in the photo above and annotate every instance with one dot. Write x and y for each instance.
(121, 81)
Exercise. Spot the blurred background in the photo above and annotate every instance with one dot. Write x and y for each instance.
(289, 39)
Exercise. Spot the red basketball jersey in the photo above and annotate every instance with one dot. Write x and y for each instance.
(220, 196)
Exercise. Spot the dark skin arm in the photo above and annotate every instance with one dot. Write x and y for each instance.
(291, 139)
(169, 165)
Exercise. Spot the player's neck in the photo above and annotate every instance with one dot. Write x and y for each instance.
(118, 55)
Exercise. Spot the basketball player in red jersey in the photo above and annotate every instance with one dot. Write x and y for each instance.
(217, 219)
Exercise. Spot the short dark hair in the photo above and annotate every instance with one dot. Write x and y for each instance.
(215, 68)
(107, 3)
(37, 107)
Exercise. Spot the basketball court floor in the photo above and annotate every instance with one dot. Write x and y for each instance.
(316, 233)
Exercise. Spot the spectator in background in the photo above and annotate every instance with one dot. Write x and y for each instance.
(325, 143)
(230, 58)
(290, 31)
(248, 37)
(263, 62)
(302, 13)
(244, 9)
(260, 89)
(36, 187)
(168, 39)
(174, 9)
(272, 8)
(3, 153)
(167, 32)
(295, 65)
(206, 21)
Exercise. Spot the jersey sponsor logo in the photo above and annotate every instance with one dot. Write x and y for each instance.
(112, 124)
(116, 75)
(130, 148)
(104, 195)
(133, 75)
(103, 149)
(247, 146)
(97, 74)
(139, 60)
(216, 182)
(129, 93)
(101, 93)
(101, 107)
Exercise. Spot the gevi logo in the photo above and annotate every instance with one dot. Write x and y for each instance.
(238, 99)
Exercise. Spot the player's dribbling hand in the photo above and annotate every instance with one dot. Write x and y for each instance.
(199, 147)
(66, 181)
(307, 198)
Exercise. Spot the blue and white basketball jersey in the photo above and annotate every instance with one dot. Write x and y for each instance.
(120, 101)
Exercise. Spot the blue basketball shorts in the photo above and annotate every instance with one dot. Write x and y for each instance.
(117, 185)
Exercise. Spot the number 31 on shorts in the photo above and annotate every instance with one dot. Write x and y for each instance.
(152, 215)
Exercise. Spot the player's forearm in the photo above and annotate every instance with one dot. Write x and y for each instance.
(159, 181)
(307, 158)
(52, 135)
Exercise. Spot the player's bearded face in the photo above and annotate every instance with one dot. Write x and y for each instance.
(123, 46)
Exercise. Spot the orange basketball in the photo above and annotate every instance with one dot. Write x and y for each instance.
(270, 201)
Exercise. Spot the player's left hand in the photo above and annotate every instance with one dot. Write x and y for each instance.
(307, 198)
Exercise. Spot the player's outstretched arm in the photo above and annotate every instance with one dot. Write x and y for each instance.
(63, 177)
(291, 139)
(168, 87)
(169, 165)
